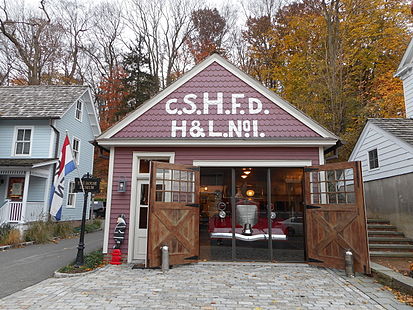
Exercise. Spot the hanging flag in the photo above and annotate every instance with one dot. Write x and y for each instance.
(65, 166)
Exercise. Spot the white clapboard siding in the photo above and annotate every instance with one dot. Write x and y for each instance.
(408, 94)
(395, 156)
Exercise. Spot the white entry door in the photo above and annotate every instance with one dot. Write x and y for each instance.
(141, 220)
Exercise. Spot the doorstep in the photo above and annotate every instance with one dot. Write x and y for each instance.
(392, 278)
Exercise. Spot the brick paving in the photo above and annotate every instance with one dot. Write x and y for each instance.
(207, 286)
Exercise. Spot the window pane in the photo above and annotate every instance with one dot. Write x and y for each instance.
(184, 175)
(182, 197)
(183, 187)
(341, 198)
(349, 187)
(167, 197)
(349, 174)
(26, 147)
(75, 145)
(175, 174)
(20, 134)
(332, 198)
(159, 196)
(19, 148)
(144, 194)
(159, 174)
(330, 175)
(351, 198)
(191, 198)
(175, 185)
(191, 187)
(27, 134)
(191, 176)
(168, 174)
(373, 159)
(143, 217)
(315, 198)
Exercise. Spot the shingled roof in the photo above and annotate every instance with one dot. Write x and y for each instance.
(401, 128)
(38, 101)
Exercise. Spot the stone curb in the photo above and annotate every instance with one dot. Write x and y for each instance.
(392, 278)
(5, 247)
(58, 274)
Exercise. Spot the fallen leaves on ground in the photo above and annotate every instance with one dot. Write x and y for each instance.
(404, 298)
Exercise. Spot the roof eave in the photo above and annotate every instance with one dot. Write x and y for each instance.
(288, 142)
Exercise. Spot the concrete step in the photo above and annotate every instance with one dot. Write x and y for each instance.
(374, 227)
(385, 239)
(385, 233)
(391, 254)
(391, 247)
(377, 221)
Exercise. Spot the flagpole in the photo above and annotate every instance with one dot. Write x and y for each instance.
(81, 246)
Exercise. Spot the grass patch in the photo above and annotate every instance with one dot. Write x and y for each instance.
(43, 232)
(62, 229)
(9, 235)
(14, 237)
(39, 232)
(4, 232)
(93, 260)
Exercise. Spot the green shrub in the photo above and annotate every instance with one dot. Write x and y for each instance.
(62, 229)
(39, 232)
(93, 260)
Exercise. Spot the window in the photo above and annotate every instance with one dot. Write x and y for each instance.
(373, 159)
(71, 196)
(76, 147)
(23, 140)
(79, 106)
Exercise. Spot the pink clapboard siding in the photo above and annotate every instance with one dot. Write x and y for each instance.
(185, 155)
(272, 121)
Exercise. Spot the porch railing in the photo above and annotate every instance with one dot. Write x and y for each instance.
(13, 212)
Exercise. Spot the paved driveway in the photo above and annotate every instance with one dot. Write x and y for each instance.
(206, 286)
(23, 267)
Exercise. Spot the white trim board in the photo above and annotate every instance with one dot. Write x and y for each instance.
(252, 163)
(133, 196)
(108, 200)
(226, 143)
(406, 62)
(13, 149)
(237, 72)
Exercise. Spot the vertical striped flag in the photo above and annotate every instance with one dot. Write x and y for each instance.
(65, 166)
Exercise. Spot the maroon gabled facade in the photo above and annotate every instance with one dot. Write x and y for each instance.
(217, 104)
(272, 121)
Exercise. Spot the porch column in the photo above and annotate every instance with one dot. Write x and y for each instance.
(25, 194)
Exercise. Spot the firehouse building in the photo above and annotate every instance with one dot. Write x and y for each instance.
(218, 167)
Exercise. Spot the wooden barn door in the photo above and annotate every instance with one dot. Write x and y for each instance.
(173, 213)
(335, 215)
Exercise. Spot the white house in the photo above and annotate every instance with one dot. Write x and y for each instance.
(385, 148)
